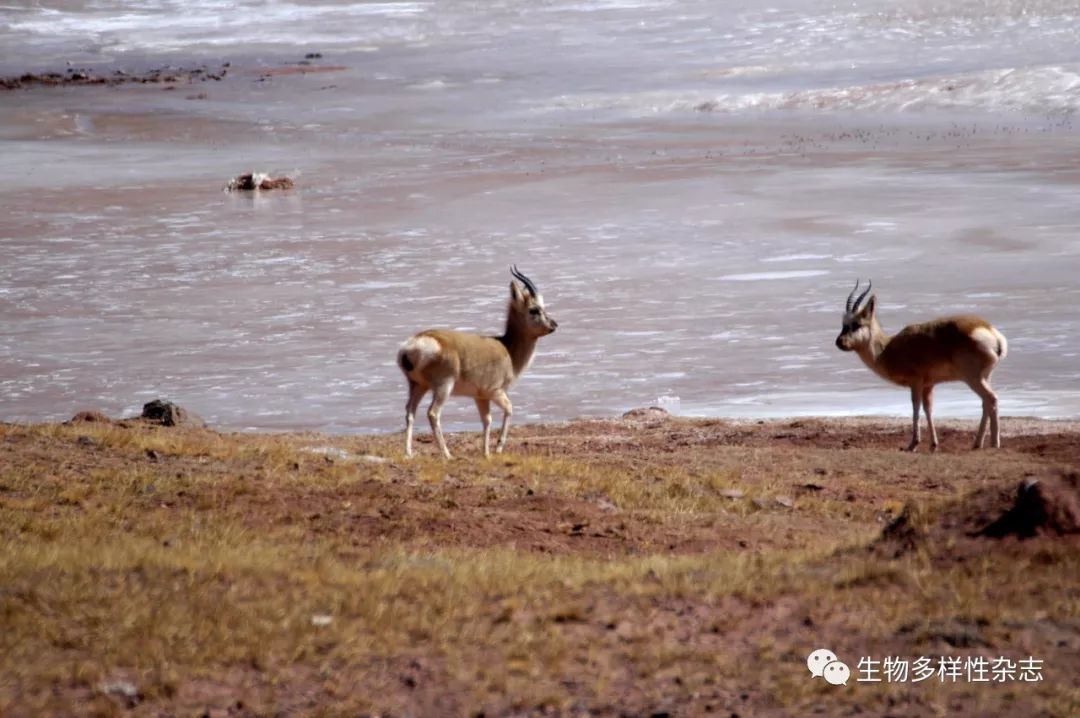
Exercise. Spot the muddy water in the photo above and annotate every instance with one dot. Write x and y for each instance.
(694, 194)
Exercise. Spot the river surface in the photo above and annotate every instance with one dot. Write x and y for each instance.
(694, 186)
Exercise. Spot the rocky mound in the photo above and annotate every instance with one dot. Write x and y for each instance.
(1040, 507)
(158, 411)
(1048, 507)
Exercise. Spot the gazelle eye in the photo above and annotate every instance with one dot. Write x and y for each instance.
(534, 311)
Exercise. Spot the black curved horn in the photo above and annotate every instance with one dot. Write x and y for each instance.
(850, 297)
(869, 285)
(524, 280)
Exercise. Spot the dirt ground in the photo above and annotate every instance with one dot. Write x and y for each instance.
(642, 566)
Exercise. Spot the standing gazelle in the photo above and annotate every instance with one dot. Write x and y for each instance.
(958, 348)
(449, 362)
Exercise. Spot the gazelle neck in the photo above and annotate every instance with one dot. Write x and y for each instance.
(870, 352)
(519, 342)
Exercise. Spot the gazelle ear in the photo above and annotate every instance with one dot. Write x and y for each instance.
(516, 292)
(871, 306)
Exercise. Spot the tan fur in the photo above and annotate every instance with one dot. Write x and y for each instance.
(448, 362)
(479, 366)
(959, 348)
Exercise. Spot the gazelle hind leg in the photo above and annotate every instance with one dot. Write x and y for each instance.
(928, 404)
(416, 393)
(442, 393)
(503, 402)
(981, 387)
(916, 399)
(995, 422)
(484, 407)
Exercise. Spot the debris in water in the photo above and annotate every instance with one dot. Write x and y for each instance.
(258, 180)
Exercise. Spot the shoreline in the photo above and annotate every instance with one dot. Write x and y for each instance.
(1018, 425)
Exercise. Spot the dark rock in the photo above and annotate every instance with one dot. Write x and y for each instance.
(258, 180)
(167, 413)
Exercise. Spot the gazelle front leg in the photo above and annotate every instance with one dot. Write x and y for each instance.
(484, 407)
(442, 393)
(503, 402)
(916, 399)
(928, 402)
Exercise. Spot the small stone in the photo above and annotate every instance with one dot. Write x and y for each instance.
(784, 502)
(606, 505)
(329, 452)
(124, 689)
(731, 493)
(321, 619)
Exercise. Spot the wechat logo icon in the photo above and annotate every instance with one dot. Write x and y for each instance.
(823, 663)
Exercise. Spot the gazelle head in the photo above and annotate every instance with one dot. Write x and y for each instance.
(527, 306)
(858, 324)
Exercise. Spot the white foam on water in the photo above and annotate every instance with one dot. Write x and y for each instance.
(769, 276)
(795, 257)
(170, 25)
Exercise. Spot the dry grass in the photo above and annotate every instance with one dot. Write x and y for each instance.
(604, 568)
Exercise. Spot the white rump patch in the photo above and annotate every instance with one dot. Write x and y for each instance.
(989, 339)
(421, 350)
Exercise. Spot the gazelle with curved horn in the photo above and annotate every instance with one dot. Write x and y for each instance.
(959, 348)
(448, 362)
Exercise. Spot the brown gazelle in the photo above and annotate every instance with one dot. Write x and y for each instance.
(449, 362)
(958, 348)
